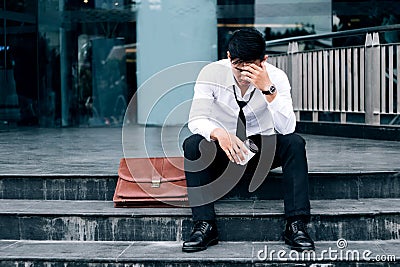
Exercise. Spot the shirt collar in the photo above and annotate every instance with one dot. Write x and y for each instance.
(232, 82)
(228, 80)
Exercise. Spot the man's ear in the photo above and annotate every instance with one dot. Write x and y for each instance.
(228, 54)
(265, 58)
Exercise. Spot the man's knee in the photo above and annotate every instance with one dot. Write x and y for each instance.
(294, 141)
(191, 146)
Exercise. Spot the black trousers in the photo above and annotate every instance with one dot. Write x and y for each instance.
(210, 174)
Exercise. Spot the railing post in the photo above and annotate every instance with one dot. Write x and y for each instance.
(372, 79)
(294, 76)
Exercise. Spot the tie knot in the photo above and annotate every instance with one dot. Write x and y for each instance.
(241, 103)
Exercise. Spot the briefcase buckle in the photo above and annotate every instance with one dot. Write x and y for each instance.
(155, 183)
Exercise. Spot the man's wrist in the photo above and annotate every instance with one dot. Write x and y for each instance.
(215, 133)
(266, 87)
(271, 98)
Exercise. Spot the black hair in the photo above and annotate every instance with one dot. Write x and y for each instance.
(247, 45)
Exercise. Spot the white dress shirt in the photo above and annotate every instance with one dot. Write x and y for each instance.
(214, 104)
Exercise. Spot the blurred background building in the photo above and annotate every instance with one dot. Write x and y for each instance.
(79, 62)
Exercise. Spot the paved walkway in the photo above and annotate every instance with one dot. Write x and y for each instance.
(96, 151)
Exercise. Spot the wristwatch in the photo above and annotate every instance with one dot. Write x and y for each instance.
(270, 91)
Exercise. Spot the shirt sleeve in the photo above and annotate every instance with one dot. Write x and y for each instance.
(282, 106)
(200, 121)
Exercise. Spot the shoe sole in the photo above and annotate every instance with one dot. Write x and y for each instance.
(196, 249)
(288, 242)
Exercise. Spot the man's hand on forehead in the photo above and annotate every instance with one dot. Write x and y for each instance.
(251, 67)
(251, 70)
(257, 75)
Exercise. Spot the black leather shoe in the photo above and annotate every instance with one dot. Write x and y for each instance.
(296, 236)
(203, 235)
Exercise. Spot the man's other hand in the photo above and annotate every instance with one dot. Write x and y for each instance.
(230, 144)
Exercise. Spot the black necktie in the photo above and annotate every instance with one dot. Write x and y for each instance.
(241, 122)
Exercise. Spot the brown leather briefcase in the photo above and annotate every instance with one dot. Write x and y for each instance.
(151, 182)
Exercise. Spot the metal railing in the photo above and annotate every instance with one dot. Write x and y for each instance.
(360, 80)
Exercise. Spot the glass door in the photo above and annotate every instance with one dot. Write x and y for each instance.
(95, 44)
(18, 63)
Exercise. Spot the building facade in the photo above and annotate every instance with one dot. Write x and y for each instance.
(80, 62)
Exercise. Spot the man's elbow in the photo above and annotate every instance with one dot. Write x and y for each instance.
(192, 127)
(290, 126)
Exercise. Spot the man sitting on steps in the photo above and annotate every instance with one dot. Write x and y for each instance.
(243, 97)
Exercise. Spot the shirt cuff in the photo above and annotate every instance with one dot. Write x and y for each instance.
(280, 106)
(204, 127)
(274, 104)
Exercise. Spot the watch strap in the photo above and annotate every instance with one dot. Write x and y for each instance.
(271, 90)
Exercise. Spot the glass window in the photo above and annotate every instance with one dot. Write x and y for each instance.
(357, 14)
(276, 19)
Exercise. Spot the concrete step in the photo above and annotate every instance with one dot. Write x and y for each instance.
(155, 254)
(257, 220)
(101, 187)
(58, 187)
